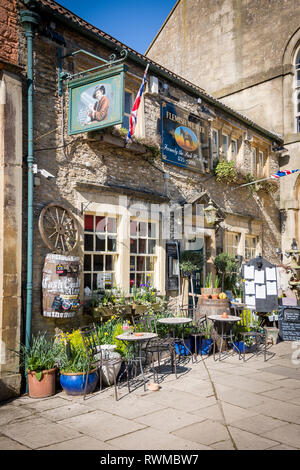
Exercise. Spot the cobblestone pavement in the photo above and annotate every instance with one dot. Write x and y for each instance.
(211, 405)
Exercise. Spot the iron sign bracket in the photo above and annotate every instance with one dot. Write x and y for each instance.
(62, 75)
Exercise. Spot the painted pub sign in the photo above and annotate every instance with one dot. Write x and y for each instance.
(97, 101)
(185, 138)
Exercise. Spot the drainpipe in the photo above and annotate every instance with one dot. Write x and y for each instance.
(29, 20)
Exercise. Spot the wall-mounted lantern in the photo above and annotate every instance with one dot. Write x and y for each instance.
(210, 213)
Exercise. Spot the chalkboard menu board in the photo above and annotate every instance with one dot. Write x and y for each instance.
(172, 266)
(289, 323)
(260, 285)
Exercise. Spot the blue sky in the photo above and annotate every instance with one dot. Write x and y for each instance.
(133, 22)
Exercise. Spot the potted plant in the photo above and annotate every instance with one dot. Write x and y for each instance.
(107, 333)
(40, 361)
(216, 290)
(208, 289)
(191, 261)
(73, 364)
(227, 267)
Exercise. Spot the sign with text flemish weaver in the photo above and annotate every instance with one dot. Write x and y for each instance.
(185, 138)
(96, 101)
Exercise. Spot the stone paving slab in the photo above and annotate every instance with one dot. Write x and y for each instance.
(285, 371)
(10, 413)
(129, 407)
(8, 444)
(280, 410)
(289, 434)
(258, 424)
(248, 441)
(151, 438)
(67, 411)
(242, 398)
(81, 443)
(169, 419)
(282, 393)
(38, 432)
(101, 425)
(180, 400)
(207, 432)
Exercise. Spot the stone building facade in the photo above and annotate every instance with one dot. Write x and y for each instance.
(247, 55)
(11, 163)
(119, 188)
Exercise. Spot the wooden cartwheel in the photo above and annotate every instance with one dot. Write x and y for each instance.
(59, 229)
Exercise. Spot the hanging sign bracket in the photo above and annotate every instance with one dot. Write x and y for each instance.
(62, 76)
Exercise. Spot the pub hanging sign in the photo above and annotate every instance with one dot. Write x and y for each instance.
(185, 138)
(96, 101)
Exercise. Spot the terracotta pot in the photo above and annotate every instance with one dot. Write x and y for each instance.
(206, 290)
(42, 388)
(205, 296)
(215, 296)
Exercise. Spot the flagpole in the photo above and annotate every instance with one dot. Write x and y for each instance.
(252, 182)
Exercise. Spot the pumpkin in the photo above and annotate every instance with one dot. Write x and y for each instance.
(222, 296)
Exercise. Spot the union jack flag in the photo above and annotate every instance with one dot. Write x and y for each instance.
(279, 174)
(135, 107)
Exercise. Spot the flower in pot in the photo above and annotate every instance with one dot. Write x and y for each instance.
(73, 363)
(40, 361)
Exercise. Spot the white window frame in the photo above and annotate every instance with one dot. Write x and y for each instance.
(234, 149)
(215, 145)
(225, 147)
(297, 91)
(104, 253)
(153, 255)
(261, 163)
(253, 250)
(254, 153)
(231, 247)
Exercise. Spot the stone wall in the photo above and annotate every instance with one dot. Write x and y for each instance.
(8, 31)
(10, 233)
(225, 45)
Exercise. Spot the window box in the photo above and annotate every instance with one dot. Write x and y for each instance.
(107, 138)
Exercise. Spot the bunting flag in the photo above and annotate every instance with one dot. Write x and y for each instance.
(135, 107)
(279, 174)
(275, 176)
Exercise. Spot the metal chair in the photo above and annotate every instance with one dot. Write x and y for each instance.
(257, 333)
(96, 359)
(200, 332)
(158, 345)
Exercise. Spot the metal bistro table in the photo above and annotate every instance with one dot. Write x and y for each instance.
(173, 322)
(224, 335)
(134, 343)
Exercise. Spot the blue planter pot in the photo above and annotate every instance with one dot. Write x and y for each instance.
(182, 350)
(240, 346)
(205, 346)
(74, 384)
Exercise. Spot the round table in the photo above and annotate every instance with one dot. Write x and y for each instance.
(221, 321)
(137, 339)
(173, 322)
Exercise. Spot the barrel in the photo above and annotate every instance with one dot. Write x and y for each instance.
(61, 286)
(211, 307)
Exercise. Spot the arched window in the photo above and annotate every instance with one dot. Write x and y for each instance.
(297, 92)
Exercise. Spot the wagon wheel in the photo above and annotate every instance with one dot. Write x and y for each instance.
(59, 229)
